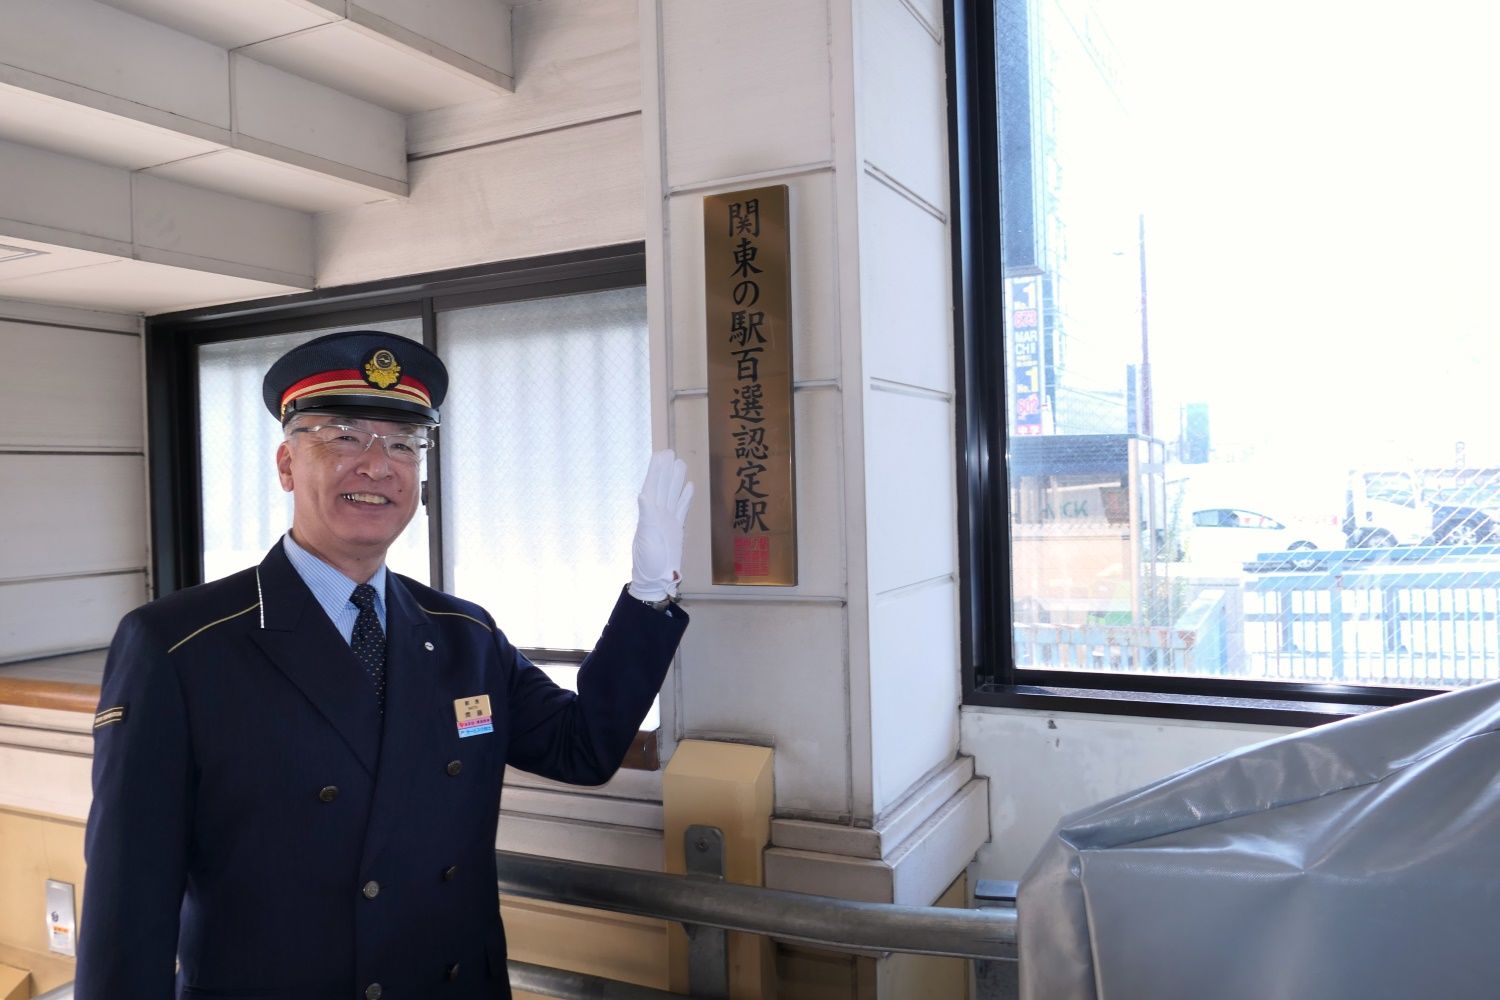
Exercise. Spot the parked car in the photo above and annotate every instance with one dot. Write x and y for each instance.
(1384, 510)
(1225, 538)
(1467, 515)
(1423, 507)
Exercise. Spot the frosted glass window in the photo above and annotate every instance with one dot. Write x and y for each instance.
(546, 435)
(244, 507)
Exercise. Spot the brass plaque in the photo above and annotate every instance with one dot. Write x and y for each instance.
(747, 277)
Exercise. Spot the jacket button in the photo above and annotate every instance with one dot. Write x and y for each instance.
(371, 890)
(449, 872)
(452, 972)
(454, 766)
(373, 992)
(328, 794)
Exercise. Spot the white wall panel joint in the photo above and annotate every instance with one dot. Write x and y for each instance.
(907, 589)
(930, 20)
(913, 872)
(57, 784)
(65, 318)
(916, 199)
(907, 389)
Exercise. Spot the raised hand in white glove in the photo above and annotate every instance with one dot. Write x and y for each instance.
(656, 552)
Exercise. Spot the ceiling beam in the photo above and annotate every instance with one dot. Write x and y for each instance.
(405, 55)
(56, 201)
(85, 79)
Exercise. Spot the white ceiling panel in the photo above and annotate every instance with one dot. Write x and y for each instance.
(375, 68)
(50, 258)
(237, 172)
(136, 286)
(51, 123)
(229, 23)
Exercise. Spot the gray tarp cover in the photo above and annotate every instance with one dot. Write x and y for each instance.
(1359, 859)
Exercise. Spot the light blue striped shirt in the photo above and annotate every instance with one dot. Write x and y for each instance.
(332, 588)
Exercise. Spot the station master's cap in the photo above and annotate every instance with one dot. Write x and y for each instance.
(358, 373)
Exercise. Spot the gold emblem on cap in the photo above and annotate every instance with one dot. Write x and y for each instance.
(381, 370)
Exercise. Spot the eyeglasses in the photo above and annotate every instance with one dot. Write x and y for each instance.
(346, 441)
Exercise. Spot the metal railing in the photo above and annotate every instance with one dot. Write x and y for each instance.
(707, 906)
(1103, 647)
(701, 901)
(548, 982)
(1422, 615)
(800, 918)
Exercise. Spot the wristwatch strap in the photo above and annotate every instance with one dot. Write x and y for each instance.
(663, 604)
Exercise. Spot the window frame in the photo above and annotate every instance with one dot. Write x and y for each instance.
(172, 339)
(990, 675)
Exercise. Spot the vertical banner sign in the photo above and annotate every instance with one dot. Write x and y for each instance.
(747, 278)
(1023, 317)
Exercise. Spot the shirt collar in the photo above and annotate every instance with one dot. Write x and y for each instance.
(329, 586)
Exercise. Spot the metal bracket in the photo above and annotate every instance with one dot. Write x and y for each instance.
(708, 947)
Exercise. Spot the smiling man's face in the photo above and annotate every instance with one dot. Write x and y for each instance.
(347, 509)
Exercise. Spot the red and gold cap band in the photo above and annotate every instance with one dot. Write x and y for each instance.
(349, 382)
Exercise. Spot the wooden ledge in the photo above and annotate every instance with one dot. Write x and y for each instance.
(64, 696)
(59, 695)
(643, 754)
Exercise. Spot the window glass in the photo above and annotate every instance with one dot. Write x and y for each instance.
(244, 508)
(1246, 262)
(546, 436)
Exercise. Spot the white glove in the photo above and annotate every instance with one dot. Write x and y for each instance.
(657, 550)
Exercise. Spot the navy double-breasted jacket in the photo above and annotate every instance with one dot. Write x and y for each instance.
(257, 817)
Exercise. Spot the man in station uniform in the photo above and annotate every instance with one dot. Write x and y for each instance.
(297, 768)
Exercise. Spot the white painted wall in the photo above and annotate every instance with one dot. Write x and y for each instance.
(853, 674)
(906, 354)
(72, 478)
(1044, 765)
(739, 96)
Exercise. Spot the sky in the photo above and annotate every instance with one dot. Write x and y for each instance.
(1319, 180)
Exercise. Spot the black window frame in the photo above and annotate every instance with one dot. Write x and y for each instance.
(172, 340)
(990, 674)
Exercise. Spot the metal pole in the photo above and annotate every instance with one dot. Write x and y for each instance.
(548, 982)
(1148, 421)
(790, 916)
(708, 946)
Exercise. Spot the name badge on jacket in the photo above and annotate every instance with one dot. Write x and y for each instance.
(473, 714)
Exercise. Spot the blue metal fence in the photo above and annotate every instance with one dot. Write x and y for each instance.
(1421, 616)
(1415, 615)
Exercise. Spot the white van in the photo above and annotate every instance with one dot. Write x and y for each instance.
(1385, 509)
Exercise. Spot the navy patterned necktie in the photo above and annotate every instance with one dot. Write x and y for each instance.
(369, 639)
